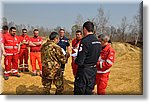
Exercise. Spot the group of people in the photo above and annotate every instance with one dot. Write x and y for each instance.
(16, 49)
(92, 58)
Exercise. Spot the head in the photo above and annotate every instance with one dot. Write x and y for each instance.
(36, 32)
(24, 31)
(54, 37)
(88, 28)
(4, 29)
(62, 32)
(78, 35)
(103, 38)
(12, 31)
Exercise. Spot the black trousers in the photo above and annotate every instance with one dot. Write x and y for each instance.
(85, 81)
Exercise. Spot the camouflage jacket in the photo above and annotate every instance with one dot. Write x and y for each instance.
(52, 58)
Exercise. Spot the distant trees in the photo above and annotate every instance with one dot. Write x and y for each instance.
(125, 32)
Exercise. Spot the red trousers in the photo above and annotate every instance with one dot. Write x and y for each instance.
(23, 56)
(11, 65)
(102, 81)
(74, 67)
(33, 57)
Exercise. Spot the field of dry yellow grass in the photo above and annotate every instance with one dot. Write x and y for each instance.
(126, 76)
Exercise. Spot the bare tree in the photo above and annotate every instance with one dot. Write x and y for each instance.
(79, 21)
(101, 21)
(123, 27)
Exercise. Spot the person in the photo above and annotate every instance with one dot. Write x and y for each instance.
(87, 57)
(75, 46)
(2, 33)
(65, 45)
(52, 58)
(104, 63)
(11, 44)
(23, 55)
(35, 44)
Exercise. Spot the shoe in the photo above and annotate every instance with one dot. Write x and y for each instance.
(20, 71)
(17, 75)
(26, 70)
(34, 74)
(6, 77)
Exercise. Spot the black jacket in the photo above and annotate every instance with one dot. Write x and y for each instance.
(89, 51)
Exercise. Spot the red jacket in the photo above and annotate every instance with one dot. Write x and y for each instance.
(106, 59)
(25, 38)
(11, 44)
(38, 47)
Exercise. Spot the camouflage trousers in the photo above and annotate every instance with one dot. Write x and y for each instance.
(57, 81)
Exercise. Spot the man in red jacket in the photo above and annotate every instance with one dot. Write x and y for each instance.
(23, 55)
(2, 33)
(75, 46)
(104, 63)
(35, 44)
(11, 44)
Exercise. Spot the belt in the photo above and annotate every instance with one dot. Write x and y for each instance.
(34, 51)
(85, 65)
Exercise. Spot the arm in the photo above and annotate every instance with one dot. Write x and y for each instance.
(3, 50)
(59, 54)
(37, 43)
(18, 48)
(106, 64)
(82, 52)
(31, 44)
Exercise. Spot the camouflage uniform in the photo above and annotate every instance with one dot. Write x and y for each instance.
(52, 57)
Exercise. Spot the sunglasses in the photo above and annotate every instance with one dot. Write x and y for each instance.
(24, 32)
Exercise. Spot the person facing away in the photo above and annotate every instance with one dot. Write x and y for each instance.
(75, 47)
(52, 58)
(88, 54)
(65, 45)
(35, 44)
(23, 55)
(104, 64)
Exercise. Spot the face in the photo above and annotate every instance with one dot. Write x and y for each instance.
(56, 40)
(4, 31)
(36, 33)
(13, 32)
(78, 36)
(62, 33)
(24, 32)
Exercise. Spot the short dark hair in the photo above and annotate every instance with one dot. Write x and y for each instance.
(79, 31)
(5, 27)
(24, 29)
(89, 26)
(35, 30)
(53, 35)
(12, 28)
(62, 29)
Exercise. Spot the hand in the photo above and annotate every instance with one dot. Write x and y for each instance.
(4, 53)
(67, 55)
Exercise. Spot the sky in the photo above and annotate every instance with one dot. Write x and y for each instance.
(52, 14)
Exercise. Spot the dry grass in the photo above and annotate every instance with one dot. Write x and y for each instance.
(125, 77)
